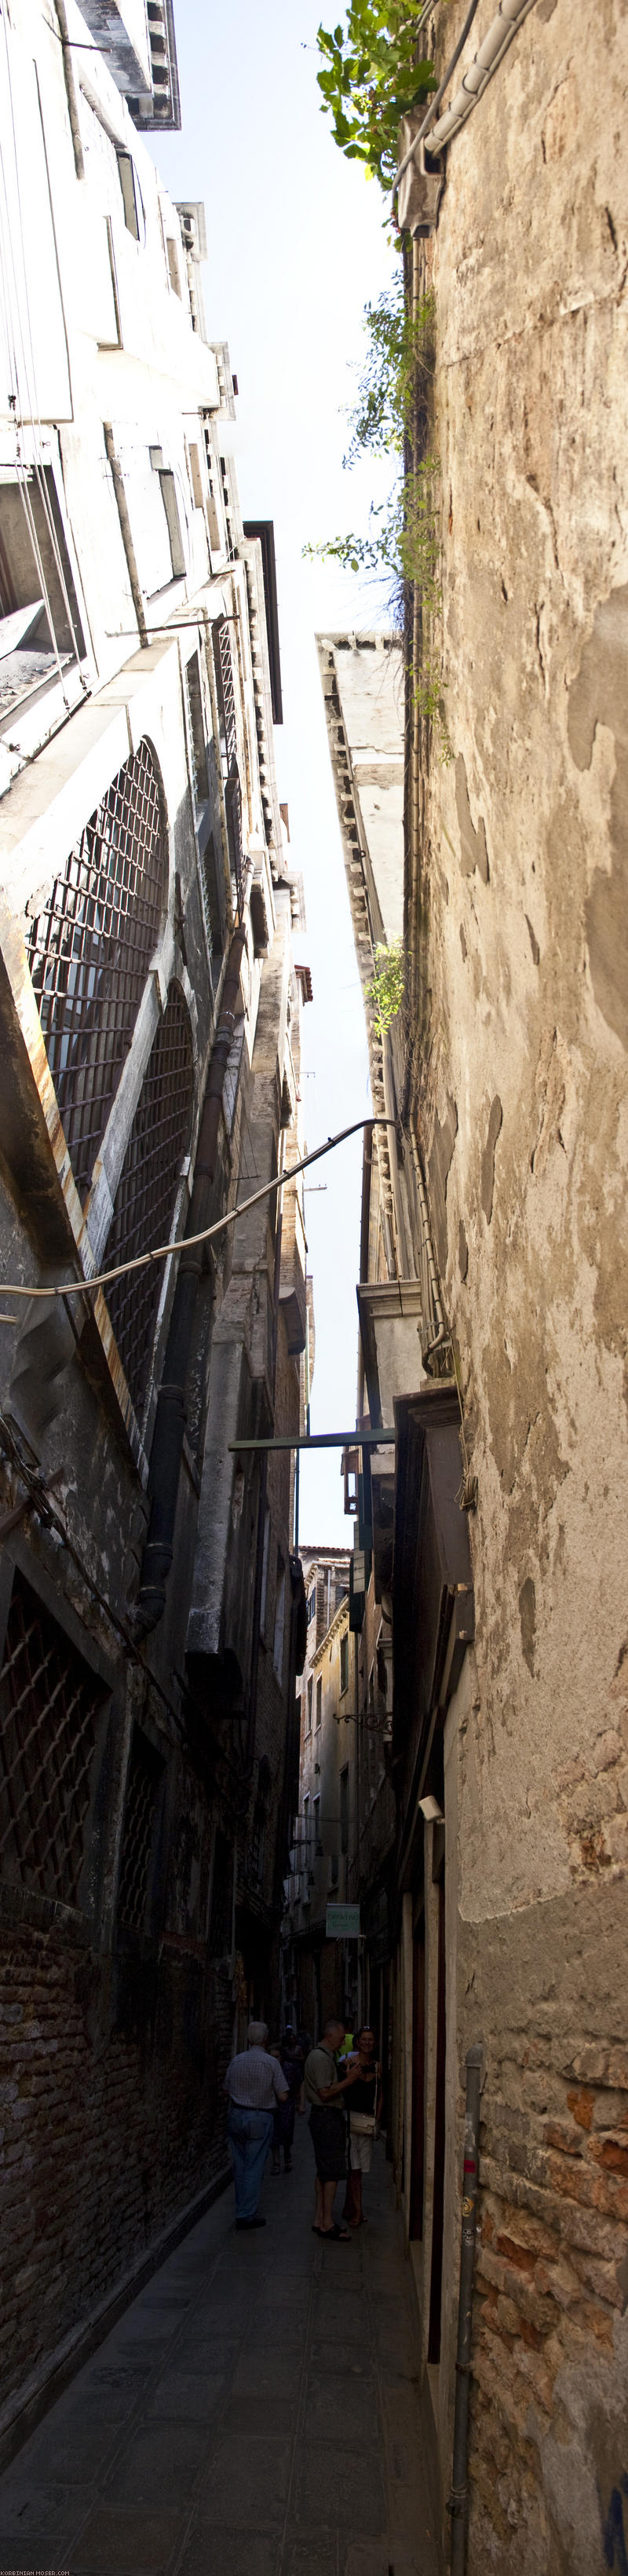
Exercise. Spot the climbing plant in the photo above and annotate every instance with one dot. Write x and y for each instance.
(386, 991)
(399, 352)
(402, 538)
(369, 79)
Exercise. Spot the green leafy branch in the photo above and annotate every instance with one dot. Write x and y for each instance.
(402, 539)
(386, 992)
(399, 352)
(369, 79)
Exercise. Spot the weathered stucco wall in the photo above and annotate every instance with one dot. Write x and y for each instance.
(525, 1126)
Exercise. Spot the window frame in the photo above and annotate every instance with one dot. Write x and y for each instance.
(131, 194)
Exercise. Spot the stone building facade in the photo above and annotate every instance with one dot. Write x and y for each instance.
(493, 1332)
(151, 1605)
(521, 890)
(321, 1976)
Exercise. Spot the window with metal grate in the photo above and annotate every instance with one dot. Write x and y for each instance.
(145, 1197)
(196, 730)
(225, 688)
(49, 1701)
(141, 1817)
(223, 666)
(220, 1939)
(213, 905)
(89, 949)
(233, 810)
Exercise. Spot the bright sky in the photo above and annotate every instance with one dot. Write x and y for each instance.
(296, 249)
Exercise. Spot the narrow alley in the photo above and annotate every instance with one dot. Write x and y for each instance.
(254, 2412)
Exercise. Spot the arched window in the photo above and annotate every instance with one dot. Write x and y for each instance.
(147, 1188)
(89, 950)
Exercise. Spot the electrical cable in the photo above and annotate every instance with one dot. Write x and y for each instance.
(74, 45)
(162, 1251)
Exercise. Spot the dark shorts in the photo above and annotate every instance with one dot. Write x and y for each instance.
(329, 2140)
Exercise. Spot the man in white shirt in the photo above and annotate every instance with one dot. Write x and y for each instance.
(255, 2084)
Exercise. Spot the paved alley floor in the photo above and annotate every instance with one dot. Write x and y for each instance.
(254, 2413)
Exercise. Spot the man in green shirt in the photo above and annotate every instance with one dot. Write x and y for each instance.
(324, 2090)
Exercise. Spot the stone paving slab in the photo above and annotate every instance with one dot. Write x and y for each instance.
(255, 2413)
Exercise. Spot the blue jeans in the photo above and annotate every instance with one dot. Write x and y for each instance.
(250, 2135)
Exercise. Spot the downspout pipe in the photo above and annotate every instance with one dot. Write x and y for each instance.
(261, 1502)
(504, 26)
(170, 1419)
(441, 1328)
(457, 2503)
(126, 533)
(70, 89)
(428, 120)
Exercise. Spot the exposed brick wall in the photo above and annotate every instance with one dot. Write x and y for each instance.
(549, 2416)
(107, 2131)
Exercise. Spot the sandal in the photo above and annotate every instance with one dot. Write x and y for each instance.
(334, 2235)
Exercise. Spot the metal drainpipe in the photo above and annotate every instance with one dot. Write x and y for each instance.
(504, 26)
(441, 1335)
(416, 720)
(70, 90)
(261, 1509)
(125, 531)
(356, 1645)
(458, 2499)
(170, 1419)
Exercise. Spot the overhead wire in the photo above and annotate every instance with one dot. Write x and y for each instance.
(162, 1251)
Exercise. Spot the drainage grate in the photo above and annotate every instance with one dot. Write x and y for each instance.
(48, 1705)
(145, 1775)
(89, 951)
(145, 1197)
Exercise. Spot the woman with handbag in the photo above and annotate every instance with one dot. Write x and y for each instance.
(365, 2110)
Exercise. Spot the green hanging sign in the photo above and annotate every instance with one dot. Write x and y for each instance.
(343, 1923)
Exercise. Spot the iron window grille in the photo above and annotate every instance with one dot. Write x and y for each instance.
(89, 950)
(233, 809)
(221, 1918)
(223, 666)
(138, 1840)
(49, 1702)
(258, 1845)
(145, 1198)
(196, 730)
(212, 910)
